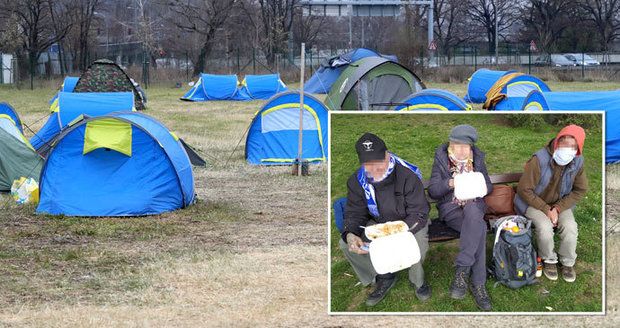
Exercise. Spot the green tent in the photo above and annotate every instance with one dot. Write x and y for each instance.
(372, 83)
(17, 157)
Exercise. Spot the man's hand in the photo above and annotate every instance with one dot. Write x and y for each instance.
(355, 243)
(451, 183)
(553, 215)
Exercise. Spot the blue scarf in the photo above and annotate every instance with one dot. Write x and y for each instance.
(369, 190)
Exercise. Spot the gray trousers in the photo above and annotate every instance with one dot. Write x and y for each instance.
(469, 221)
(366, 273)
(543, 233)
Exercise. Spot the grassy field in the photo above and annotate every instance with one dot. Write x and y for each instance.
(251, 252)
(415, 137)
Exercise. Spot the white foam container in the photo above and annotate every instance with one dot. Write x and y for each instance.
(394, 252)
(469, 186)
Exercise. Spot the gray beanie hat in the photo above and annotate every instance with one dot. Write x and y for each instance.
(464, 134)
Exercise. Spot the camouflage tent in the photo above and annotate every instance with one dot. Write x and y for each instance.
(106, 76)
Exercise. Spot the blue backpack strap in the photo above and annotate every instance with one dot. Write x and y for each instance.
(339, 206)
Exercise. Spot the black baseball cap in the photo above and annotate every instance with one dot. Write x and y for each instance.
(369, 147)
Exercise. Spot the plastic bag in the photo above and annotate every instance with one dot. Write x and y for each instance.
(25, 190)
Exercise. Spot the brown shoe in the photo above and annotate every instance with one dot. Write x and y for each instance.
(551, 271)
(568, 273)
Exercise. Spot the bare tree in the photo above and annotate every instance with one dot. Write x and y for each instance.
(273, 24)
(547, 20)
(42, 23)
(605, 14)
(10, 36)
(485, 12)
(450, 24)
(149, 29)
(411, 43)
(86, 11)
(204, 17)
(308, 28)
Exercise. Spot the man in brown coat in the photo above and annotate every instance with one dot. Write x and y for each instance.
(552, 183)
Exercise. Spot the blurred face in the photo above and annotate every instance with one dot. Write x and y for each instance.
(460, 150)
(567, 142)
(376, 169)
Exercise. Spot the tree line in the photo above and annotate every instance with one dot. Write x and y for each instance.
(202, 29)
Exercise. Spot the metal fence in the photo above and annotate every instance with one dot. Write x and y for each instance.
(179, 66)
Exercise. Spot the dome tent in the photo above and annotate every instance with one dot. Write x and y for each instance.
(273, 133)
(8, 110)
(70, 106)
(329, 71)
(433, 99)
(17, 157)
(227, 87)
(260, 87)
(213, 87)
(120, 164)
(106, 76)
(488, 87)
(373, 83)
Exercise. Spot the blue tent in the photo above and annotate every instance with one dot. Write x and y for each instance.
(489, 87)
(227, 87)
(67, 86)
(433, 99)
(480, 82)
(329, 71)
(593, 100)
(579, 100)
(120, 164)
(260, 87)
(274, 132)
(6, 109)
(70, 106)
(535, 101)
(213, 87)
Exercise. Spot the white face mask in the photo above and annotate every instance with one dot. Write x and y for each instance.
(563, 156)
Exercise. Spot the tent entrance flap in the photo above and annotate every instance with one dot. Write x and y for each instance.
(288, 118)
(108, 133)
(377, 93)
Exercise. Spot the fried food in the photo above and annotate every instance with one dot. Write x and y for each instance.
(385, 229)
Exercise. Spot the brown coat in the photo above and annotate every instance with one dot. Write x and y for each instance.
(550, 197)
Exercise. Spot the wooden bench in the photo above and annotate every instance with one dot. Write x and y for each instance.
(439, 231)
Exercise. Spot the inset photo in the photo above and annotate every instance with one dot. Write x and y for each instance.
(457, 213)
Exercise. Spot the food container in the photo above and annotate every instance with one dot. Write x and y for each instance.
(394, 252)
(469, 186)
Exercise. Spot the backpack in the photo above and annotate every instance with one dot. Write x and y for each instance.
(514, 257)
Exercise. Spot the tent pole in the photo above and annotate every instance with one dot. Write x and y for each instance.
(302, 64)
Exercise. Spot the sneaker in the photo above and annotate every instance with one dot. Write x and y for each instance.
(458, 288)
(423, 293)
(381, 290)
(550, 270)
(481, 297)
(568, 273)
